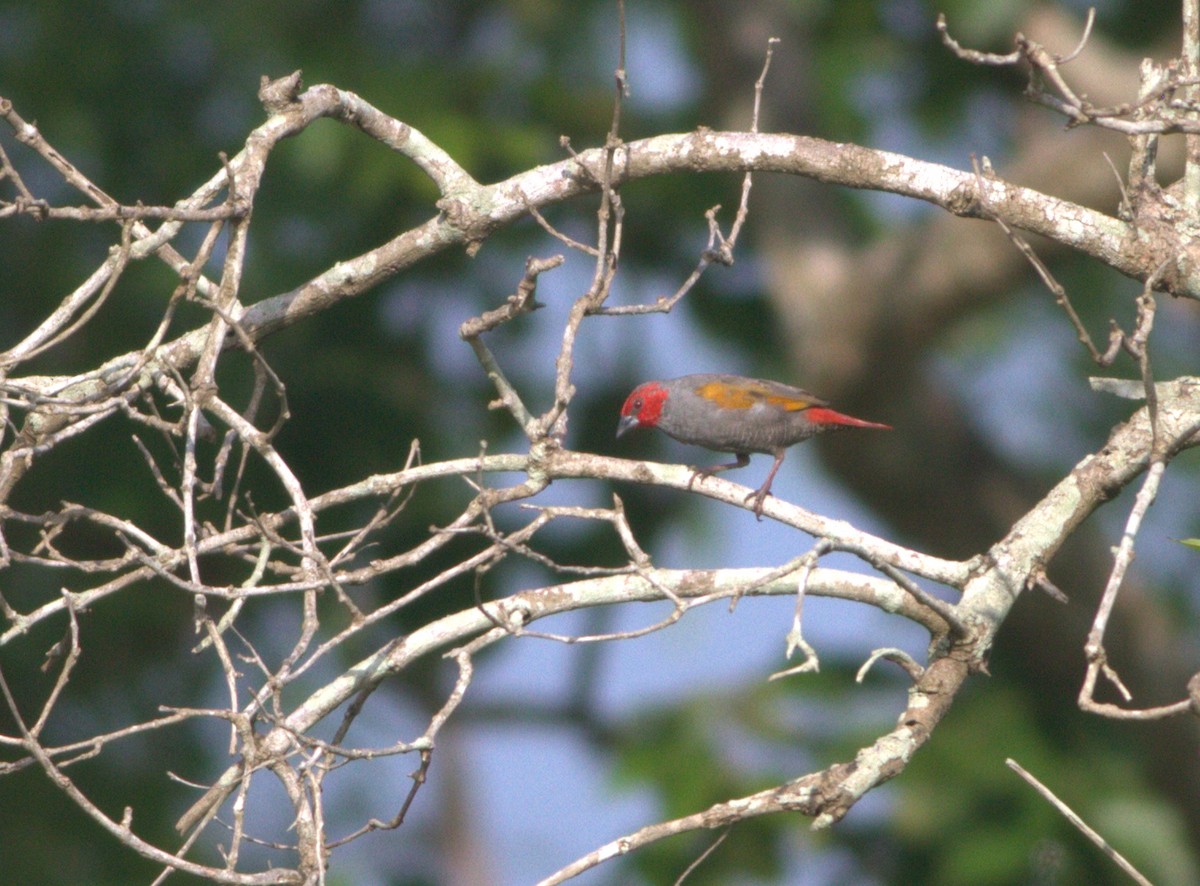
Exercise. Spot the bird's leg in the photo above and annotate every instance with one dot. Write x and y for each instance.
(759, 495)
(743, 459)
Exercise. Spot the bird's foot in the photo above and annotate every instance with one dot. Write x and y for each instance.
(704, 473)
(700, 474)
(758, 496)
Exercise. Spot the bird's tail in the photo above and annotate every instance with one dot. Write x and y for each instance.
(822, 416)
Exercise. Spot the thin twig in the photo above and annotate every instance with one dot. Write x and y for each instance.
(1070, 815)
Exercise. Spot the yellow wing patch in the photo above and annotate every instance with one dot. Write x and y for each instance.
(744, 396)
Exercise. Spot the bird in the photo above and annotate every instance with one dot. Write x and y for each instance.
(729, 413)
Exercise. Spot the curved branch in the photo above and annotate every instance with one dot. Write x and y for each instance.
(515, 612)
(472, 214)
(491, 207)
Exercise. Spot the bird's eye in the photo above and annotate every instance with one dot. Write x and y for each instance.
(637, 405)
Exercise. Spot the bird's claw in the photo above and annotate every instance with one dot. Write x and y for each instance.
(758, 496)
(698, 474)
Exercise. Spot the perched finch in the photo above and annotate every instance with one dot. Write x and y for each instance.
(729, 413)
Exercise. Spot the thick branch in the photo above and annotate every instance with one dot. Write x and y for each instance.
(471, 212)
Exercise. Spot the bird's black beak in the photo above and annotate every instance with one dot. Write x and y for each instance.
(627, 422)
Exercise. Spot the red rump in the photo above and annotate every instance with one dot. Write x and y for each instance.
(823, 416)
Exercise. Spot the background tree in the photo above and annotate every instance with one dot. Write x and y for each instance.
(310, 343)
